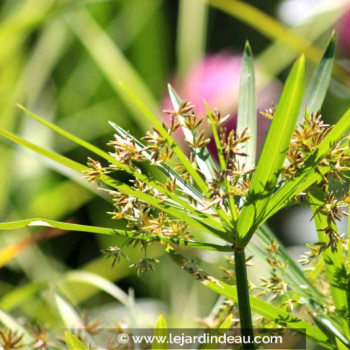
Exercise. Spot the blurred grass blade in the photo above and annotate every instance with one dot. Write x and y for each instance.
(261, 307)
(73, 342)
(97, 281)
(267, 25)
(227, 322)
(191, 33)
(38, 222)
(111, 61)
(44, 152)
(247, 110)
(308, 175)
(204, 160)
(341, 345)
(66, 134)
(318, 86)
(273, 153)
(21, 295)
(68, 314)
(160, 330)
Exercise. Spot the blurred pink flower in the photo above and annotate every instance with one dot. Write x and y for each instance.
(343, 30)
(215, 79)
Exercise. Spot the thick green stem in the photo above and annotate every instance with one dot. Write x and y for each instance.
(245, 314)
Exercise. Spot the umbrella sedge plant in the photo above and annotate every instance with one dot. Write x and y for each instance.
(231, 198)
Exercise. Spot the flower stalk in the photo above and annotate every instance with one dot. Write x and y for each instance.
(245, 314)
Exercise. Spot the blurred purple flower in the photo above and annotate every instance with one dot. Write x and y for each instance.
(215, 79)
(343, 30)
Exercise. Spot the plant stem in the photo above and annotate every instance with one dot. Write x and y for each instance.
(245, 314)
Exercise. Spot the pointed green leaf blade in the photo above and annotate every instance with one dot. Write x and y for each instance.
(160, 332)
(319, 83)
(39, 222)
(97, 281)
(73, 342)
(273, 153)
(247, 117)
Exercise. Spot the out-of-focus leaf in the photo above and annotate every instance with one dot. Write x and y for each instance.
(73, 342)
(21, 295)
(111, 61)
(98, 282)
(160, 332)
(191, 33)
(68, 314)
(13, 250)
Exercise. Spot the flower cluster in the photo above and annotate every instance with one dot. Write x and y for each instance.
(141, 206)
(306, 138)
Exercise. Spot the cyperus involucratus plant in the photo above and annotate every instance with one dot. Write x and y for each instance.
(189, 194)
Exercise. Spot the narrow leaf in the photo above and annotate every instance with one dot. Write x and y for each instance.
(73, 342)
(319, 83)
(68, 314)
(21, 295)
(160, 330)
(38, 222)
(273, 154)
(247, 117)
(98, 282)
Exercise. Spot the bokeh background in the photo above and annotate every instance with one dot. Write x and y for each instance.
(63, 59)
